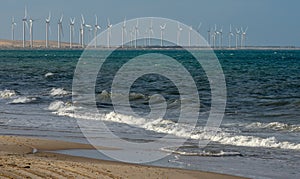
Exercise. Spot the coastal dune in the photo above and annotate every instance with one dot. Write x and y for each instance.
(22, 157)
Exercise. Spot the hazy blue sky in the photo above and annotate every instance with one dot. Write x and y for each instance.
(271, 22)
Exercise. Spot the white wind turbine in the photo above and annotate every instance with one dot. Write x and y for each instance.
(220, 37)
(237, 34)
(162, 29)
(136, 32)
(83, 25)
(123, 31)
(179, 29)
(96, 28)
(209, 35)
(190, 31)
(199, 32)
(150, 32)
(243, 37)
(47, 29)
(13, 24)
(31, 31)
(24, 27)
(214, 36)
(72, 23)
(109, 25)
(59, 30)
(230, 35)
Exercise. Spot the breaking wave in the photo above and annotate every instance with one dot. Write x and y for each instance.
(173, 128)
(7, 93)
(277, 126)
(23, 100)
(58, 92)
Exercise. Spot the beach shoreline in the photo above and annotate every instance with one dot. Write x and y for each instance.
(32, 157)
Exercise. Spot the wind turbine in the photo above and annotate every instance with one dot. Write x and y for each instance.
(123, 31)
(96, 28)
(72, 22)
(179, 29)
(59, 30)
(162, 29)
(220, 37)
(230, 35)
(47, 29)
(150, 32)
(31, 31)
(190, 31)
(109, 25)
(136, 32)
(237, 34)
(13, 24)
(243, 37)
(24, 27)
(215, 35)
(209, 36)
(83, 25)
(198, 30)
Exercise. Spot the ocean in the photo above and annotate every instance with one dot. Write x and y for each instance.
(259, 136)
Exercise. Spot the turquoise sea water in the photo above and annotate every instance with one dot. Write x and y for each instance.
(259, 136)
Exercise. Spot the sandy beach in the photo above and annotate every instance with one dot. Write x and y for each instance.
(23, 157)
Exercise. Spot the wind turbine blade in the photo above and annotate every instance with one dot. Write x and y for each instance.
(96, 19)
(61, 18)
(82, 19)
(199, 26)
(26, 23)
(25, 12)
(246, 29)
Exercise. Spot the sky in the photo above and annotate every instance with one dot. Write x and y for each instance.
(269, 22)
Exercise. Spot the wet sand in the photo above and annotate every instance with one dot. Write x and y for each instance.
(22, 157)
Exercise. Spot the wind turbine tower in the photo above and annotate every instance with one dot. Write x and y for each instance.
(109, 25)
(230, 35)
(72, 22)
(31, 31)
(24, 27)
(47, 29)
(190, 31)
(237, 34)
(83, 25)
(162, 29)
(136, 32)
(150, 32)
(179, 29)
(60, 31)
(13, 24)
(243, 37)
(123, 31)
(96, 28)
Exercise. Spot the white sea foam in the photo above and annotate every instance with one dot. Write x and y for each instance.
(49, 74)
(274, 126)
(58, 92)
(23, 100)
(7, 93)
(202, 153)
(176, 129)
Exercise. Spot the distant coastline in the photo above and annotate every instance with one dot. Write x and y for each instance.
(40, 45)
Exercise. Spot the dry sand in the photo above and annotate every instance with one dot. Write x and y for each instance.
(18, 160)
